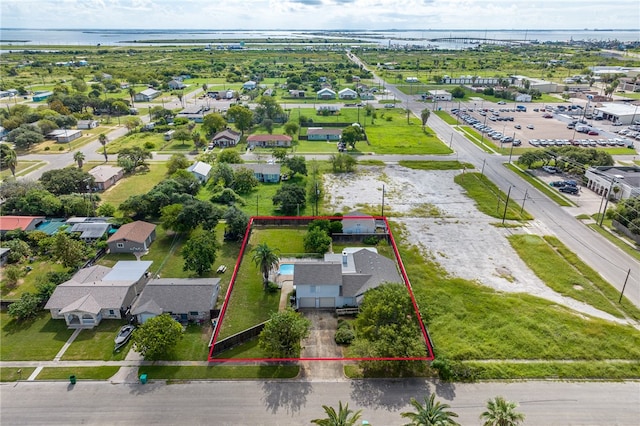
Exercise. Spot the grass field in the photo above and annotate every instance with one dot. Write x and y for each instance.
(29, 280)
(547, 256)
(489, 199)
(139, 183)
(578, 370)
(81, 373)
(232, 372)
(12, 374)
(194, 344)
(436, 165)
(35, 339)
(23, 167)
(468, 321)
(97, 343)
(250, 304)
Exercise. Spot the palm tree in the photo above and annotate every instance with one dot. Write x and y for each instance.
(79, 157)
(103, 140)
(265, 258)
(341, 418)
(10, 160)
(132, 94)
(424, 116)
(501, 412)
(431, 414)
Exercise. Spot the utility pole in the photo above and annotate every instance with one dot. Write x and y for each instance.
(382, 201)
(506, 204)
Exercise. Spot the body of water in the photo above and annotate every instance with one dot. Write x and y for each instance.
(83, 37)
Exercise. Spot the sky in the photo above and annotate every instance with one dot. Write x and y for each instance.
(320, 14)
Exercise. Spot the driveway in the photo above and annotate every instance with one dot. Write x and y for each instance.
(320, 344)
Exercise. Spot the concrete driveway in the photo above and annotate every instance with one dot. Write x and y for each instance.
(321, 344)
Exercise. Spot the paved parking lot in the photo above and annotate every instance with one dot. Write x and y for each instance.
(543, 128)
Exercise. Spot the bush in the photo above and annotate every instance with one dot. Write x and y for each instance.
(149, 145)
(47, 148)
(371, 240)
(61, 148)
(344, 334)
(272, 287)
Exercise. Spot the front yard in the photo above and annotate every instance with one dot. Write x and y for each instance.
(38, 339)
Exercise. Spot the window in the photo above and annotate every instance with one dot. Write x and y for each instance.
(194, 313)
(112, 312)
(120, 245)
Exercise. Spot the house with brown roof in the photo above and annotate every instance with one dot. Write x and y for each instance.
(134, 237)
(225, 139)
(269, 141)
(106, 176)
(25, 223)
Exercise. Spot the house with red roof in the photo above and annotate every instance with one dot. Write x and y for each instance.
(25, 223)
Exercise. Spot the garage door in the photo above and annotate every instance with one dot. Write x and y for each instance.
(307, 302)
(327, 302)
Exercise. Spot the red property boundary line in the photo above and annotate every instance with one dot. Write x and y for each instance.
(423, 329)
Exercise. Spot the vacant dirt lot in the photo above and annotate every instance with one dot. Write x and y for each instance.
(446, 226)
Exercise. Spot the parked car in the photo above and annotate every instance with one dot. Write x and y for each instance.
(530, 126)
(557, 184)
(502, 103)
(593, 132)
(550, 169)
(568, 189)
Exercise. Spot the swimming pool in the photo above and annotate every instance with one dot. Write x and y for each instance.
(286, 269)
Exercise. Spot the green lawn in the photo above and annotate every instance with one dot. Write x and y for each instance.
(436, 165)
(248, 349)
(581, 370)
(546, 257)
(30, 279)
(468, 321)
(97, 343)
(132, 140)
(194, 344)
(489, 199)
(36, 339)
(140, 182)
(615, 239)
(81, 373)
(12, 374)
(444, 115)
(232, 372)
(250, 304)
(23, 167)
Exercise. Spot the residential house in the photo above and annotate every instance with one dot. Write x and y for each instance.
(269, 141)
(268, 92)
(264, 172)
(41, 95)
(64, 135)
(105, 176)
(87, 124)
(342, 279)
(328, 109)
(176, 84)
(90, 232)
(147, 95)
(324, 133)
(194, 113)
(98, 292)
(358, 223)
(24, 223)
(4, 255)
(226, 138)
(347, 93)
(134, 237)
(296, 93)
(200, 170)
(249, 85)
(325, 93)
(186, 299)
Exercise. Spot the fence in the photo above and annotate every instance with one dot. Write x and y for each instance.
(237, 339)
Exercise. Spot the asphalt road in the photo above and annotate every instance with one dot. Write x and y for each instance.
(296, 403)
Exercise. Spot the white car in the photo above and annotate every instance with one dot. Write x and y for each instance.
(530, 126)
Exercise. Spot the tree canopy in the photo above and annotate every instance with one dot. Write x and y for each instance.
(290, 198)
(66, 181)
(199, 252)
(157, 337)
(282, 335)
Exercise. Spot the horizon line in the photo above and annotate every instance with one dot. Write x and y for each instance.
(320, 29)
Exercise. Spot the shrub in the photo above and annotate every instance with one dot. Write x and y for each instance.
(371, 240)
(344, 334)
(272, 287)
(61, 148)
(149, 145)
(47, 148)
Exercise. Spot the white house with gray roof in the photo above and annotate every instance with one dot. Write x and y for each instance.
(186, 299)
(98, 292)
(342, 279)
(200, 170)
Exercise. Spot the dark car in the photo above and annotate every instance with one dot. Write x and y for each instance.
(568, 189)
(558, 184)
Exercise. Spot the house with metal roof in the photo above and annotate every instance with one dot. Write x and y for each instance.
(90, 231)
(342, 279)
(98, 292)
(134, 237)
(146, 95)
(324, 133)
(186, 299)
(269, 141)
(200, 170)
(325, 93)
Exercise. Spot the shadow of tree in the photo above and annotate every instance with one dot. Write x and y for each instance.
(286, 396)
(388, 394)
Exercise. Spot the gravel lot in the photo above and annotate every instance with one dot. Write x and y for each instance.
(460, 238)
